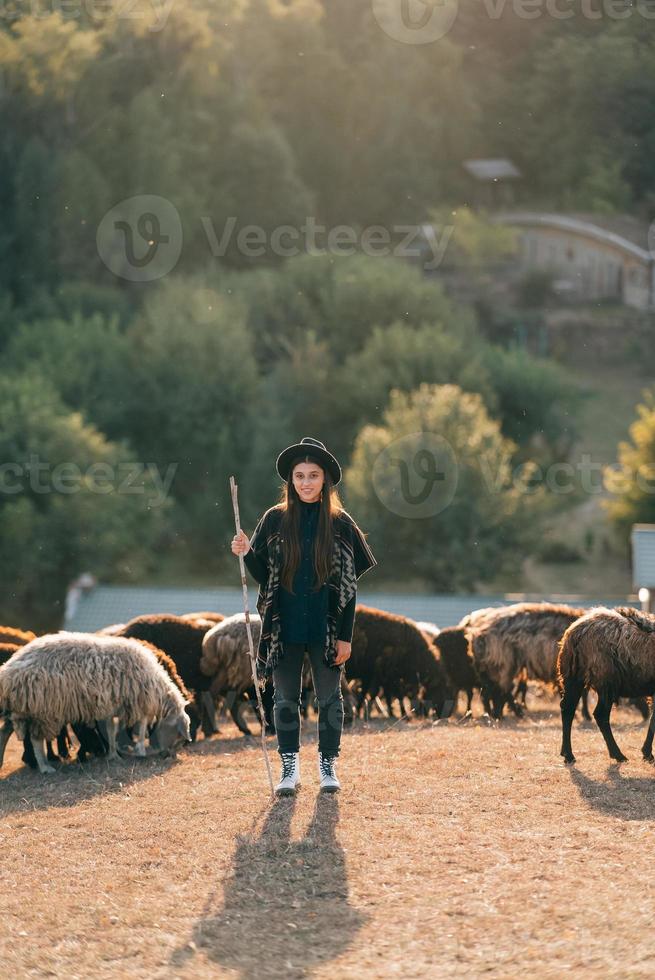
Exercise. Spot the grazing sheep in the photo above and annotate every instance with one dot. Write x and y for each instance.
(182, 640)
(93, 740)
(437, 692)
(452, 644)
(82, 677)
(226, 659)
(7, 650)
(9, 634)
(613, 652)
(391, 654)
(526, 636)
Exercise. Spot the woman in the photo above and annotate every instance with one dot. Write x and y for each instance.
(306, 554)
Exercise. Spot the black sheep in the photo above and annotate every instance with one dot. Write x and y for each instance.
(390, 654)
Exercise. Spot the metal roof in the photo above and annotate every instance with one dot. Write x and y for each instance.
(108, 604)
(643, 555)
(577, 226)
(493, 169)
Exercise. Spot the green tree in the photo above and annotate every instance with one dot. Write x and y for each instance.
(488, 524)
(85, 359)
(536, 400)
(631, 483)
(193, 378)
(71, 502)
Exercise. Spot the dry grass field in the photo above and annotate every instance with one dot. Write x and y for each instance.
(451, 850)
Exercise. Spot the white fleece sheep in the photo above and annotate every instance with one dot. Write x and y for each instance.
(83, 677)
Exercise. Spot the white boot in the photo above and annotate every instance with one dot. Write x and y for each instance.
(327, 774)
(290, 779)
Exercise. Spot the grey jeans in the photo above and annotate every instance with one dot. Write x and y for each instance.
(287, 682)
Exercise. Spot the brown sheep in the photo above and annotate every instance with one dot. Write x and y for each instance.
(10, 634)
(453, 645)
(525, 637)
(389, 653)
(613, 652)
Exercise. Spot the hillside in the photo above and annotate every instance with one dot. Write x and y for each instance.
(613, 383)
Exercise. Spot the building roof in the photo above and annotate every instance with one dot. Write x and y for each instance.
(493, 169)
(622, 231)
(109, 604)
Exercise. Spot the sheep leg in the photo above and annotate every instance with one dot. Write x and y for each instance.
(388, 701)
(521, 692)
(511, 703)
(238, 720)
(5, 735)
(140, 729)
(39, 754)
(64, 743)
(602, 716)
(573, 690)
(112, 752)
(359, 702)
(646, 749)
(496, 700)
(403, 708)
(585, 704)
(208, 714)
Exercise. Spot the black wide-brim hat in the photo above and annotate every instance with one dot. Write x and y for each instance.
(308, 447)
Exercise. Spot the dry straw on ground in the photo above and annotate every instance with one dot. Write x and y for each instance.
(451, 851)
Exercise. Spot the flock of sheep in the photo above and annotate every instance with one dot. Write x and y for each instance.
(158, 679)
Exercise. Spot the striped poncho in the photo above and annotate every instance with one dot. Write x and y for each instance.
(351, 557)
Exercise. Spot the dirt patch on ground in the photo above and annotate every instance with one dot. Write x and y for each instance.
(451, 850)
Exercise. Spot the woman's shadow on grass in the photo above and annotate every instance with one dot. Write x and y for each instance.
(285, 903)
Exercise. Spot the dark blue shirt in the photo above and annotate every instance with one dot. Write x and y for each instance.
(303, 614)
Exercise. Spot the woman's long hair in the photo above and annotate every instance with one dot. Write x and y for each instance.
(290, 504)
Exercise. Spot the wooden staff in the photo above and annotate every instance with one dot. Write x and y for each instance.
(235, 504)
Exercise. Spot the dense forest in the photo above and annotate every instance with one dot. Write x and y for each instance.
(127, 399)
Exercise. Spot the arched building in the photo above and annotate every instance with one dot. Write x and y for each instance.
(592, 256)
